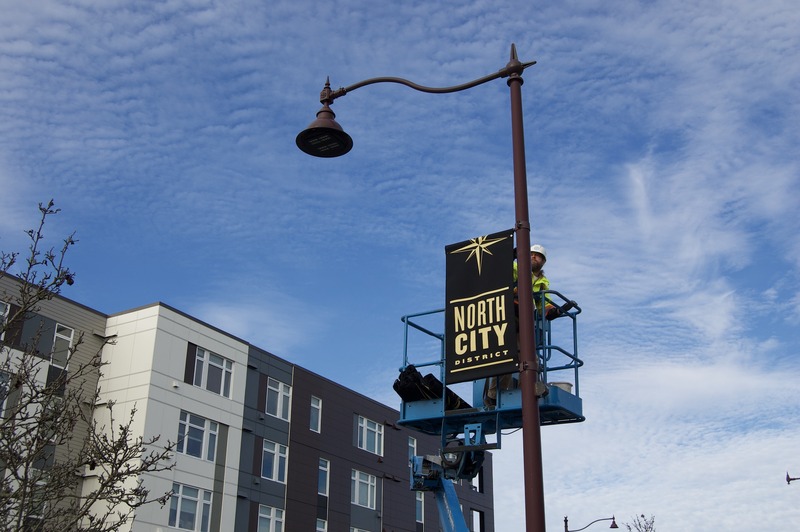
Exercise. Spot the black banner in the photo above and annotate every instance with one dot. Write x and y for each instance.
(480, 334)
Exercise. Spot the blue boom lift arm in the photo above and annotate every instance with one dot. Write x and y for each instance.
(428, 474)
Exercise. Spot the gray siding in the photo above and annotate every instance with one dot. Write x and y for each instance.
(88, 326)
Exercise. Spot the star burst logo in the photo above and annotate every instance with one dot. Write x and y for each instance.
(477, 248)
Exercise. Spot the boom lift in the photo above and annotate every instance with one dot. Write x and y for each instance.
(468, 430)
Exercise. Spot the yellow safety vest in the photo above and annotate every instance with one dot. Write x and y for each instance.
(537, 285)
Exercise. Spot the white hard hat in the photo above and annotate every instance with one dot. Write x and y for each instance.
(537, 248)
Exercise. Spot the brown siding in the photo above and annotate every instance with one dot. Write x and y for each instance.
(336, 443)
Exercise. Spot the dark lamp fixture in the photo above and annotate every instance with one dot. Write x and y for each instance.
(324, 137)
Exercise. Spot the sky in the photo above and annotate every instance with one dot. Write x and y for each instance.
(663, 174)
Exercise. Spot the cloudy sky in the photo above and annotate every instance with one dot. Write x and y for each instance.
(663, 156)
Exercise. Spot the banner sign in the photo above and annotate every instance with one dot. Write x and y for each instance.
(480, 333)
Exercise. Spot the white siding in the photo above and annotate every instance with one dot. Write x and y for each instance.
(146, 369)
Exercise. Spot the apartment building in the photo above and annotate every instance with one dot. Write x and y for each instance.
(262, 444)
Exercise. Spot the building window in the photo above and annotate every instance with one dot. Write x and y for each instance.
(51, 412)
(213, 372)
(270, 519)
(322, 526)
(34, 520)
(62, 342)
(4, 310)
(273, 461)
(279, 398)
(5, 380)
(197, 436)
(420, 506)
(370, 436)
(477, 482)
(363, 487)
(324, 471)
(412, 447)
(190, 508)
(478, 523)
(315, 422)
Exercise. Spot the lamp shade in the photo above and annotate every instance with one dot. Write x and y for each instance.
(324, 137)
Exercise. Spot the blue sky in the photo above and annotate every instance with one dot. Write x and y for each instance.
(664, 179)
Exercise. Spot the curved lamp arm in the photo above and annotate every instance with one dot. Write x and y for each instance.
(514, 67)
(612, 519)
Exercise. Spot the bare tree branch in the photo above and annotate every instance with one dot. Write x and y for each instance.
(53, 477)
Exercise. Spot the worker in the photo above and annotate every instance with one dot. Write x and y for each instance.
(539, 283)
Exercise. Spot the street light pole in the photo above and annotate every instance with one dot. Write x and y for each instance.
(528, 361)
(612, 519)
(324, 137)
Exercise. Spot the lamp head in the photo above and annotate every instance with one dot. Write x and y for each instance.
(324, 137)
(613, 522)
